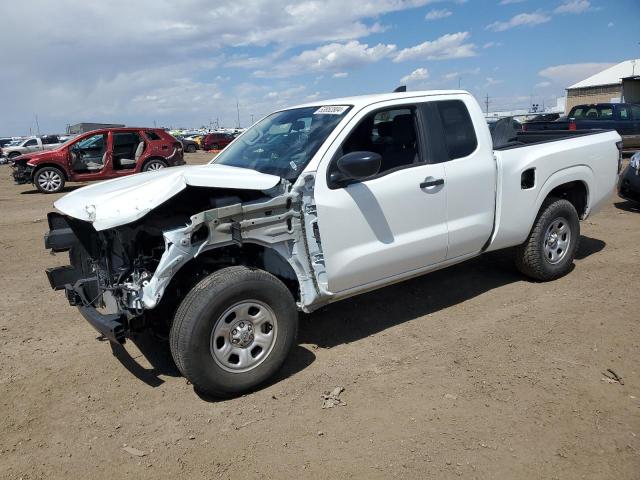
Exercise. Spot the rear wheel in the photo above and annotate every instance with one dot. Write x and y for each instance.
(233, 331)
(49, 180)
(549, 250)
(14, 154)
(154, 164)
(190, 148)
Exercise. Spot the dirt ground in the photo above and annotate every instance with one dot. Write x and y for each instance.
(470, 372)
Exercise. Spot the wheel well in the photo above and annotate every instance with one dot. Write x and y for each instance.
(54, 165)
(250, 255)
(574, 192)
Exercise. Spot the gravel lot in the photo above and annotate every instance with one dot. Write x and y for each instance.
(469, 372)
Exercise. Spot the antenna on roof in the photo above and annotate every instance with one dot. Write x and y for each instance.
(401, 88)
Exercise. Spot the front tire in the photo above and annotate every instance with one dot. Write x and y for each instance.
(49, 180)
(190, 148)
(550, 249)
(233, 331)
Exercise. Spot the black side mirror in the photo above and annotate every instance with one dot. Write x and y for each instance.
(359, 165)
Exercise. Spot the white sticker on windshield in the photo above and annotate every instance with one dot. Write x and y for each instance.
(331, 110)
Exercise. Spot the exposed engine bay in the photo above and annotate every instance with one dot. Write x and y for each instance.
(132, 276)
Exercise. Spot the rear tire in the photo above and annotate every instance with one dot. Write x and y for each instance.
(550, 249)
(49, 180)
(154, 164)
(13, 155)
(190, 148)
(233, 331)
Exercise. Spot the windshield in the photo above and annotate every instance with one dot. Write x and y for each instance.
(283, 143)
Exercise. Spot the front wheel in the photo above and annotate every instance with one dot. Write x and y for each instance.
(549, 250)
(233, 331)
(49, 180)
(190, 148)
(153, 165)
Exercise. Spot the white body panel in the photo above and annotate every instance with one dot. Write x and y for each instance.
(125, 200)
(590, 159)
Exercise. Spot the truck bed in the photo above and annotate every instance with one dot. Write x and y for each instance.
(529, 167)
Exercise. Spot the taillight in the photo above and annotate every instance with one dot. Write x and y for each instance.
(620, 146)
(572, 125)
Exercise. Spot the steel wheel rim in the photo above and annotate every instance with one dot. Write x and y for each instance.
(557, 240)
(155, 166)
(243, 336)
(49, 181)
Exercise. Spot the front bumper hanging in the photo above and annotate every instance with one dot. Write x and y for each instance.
(72, 280)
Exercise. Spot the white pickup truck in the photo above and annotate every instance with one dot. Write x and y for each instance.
(311, 205)
(30, 145)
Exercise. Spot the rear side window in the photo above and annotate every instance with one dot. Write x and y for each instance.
(459, 134)
(635, 112)
(152, 135)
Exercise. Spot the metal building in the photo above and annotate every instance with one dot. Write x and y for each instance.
(607, 86)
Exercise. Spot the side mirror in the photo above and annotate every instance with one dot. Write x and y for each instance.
(359, 165)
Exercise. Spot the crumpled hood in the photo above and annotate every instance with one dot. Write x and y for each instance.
(125, 200)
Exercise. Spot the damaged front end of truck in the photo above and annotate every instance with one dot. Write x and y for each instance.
(132, 276)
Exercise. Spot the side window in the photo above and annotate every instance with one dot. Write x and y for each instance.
(459, 134)
(606, 113)
(635, 112)
(624, 113)
(31, 143)
(392, 133)
(152, 135)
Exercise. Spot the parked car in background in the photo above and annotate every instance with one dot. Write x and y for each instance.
(216, 141)
(492, 122)
(31, 144)
(5, 141)
(196, 138)
(629, 182)
(545, 117)
(99, 155)
(311, 205)
(188, 145)
(624, 118)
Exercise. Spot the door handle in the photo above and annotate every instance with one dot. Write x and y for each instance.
(432, 183)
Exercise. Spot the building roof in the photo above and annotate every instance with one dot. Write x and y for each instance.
(610, 76)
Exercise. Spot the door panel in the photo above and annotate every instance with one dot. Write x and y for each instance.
(382, 227)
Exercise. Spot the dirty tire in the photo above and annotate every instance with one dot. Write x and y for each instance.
(13, 155)
(49, 180)
(202, 310)
(154, 164)
(531, 257)
(190, 148)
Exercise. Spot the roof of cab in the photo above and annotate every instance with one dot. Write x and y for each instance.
(363, 100)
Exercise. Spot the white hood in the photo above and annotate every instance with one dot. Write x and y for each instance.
(125, 200)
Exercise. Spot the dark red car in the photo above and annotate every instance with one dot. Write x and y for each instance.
(216, 141)
(99, 155)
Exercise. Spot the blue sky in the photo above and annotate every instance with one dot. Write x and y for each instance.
(186, 63)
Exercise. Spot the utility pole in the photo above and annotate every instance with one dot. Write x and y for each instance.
(37, 125)
(486, 104)
(238, 111)
(252, 119)
(459, 79)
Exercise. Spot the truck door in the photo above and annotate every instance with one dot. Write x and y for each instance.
(31, 145)
(470, 171)
(392, 223)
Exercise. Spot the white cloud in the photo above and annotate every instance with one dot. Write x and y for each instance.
(438, 14)
(170, 45)
(568, 74)
(417, 76)
(492, 44)
(522, 19)
(334, 57)
(447, 46)
(509, 2)
(340, 75)
(573, 6)
(490, 81)
(543, 84)
(610, 24)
